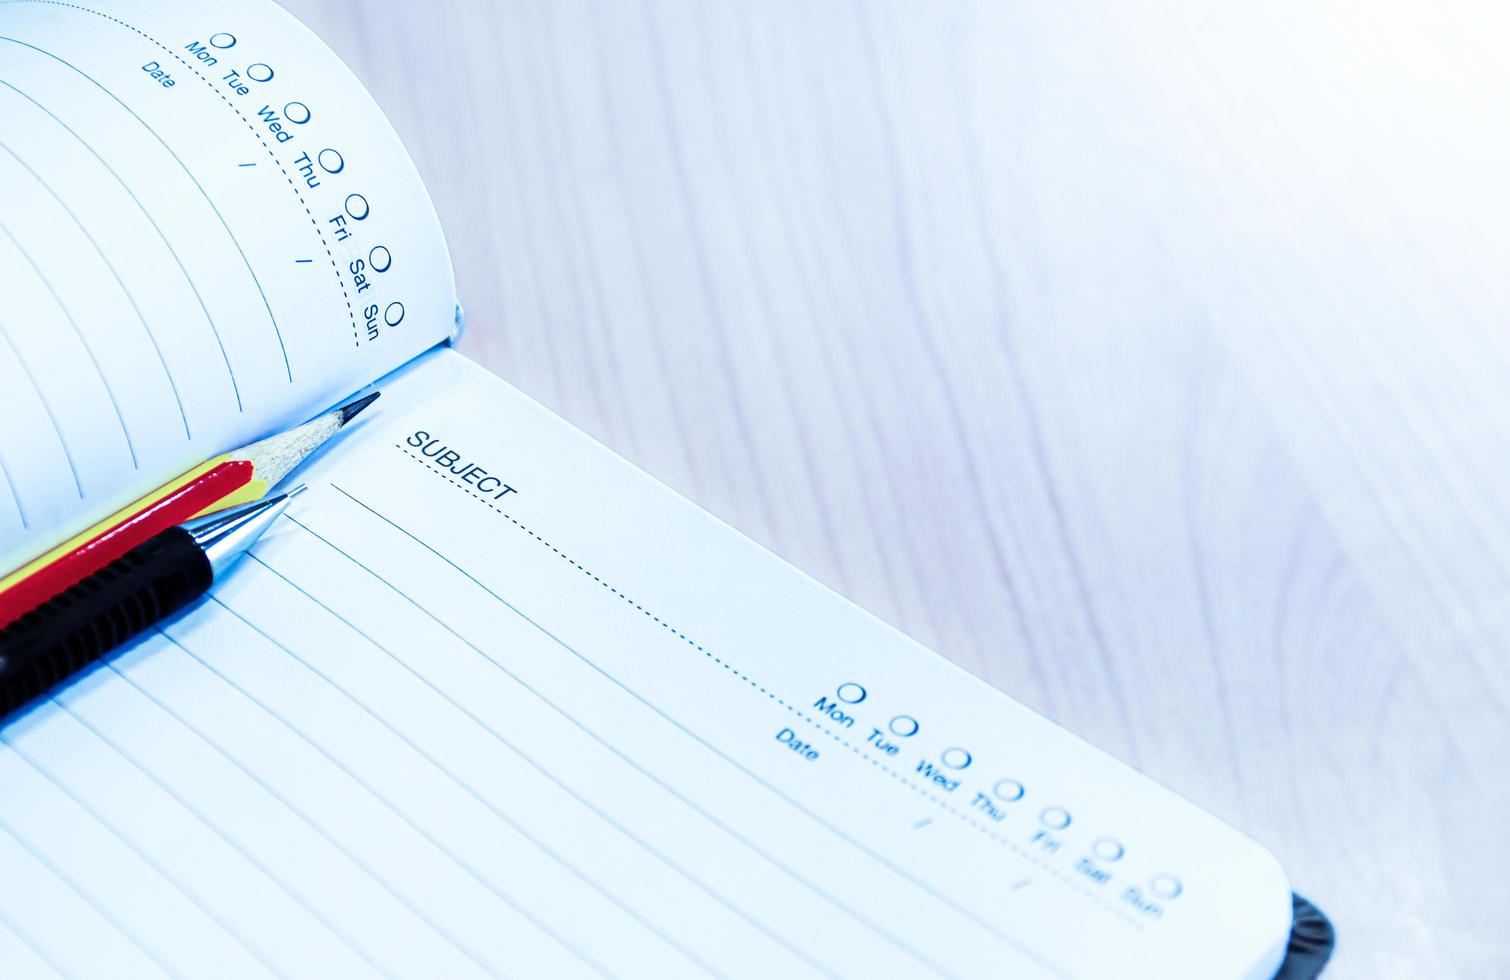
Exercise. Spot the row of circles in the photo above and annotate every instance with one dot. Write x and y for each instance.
(904, 726)
(1107, 849)
(357, 208)
(257, 72)
(294, 112)
(331, 161)
(379, 259)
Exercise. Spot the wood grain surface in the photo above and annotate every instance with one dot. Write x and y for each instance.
(1148, 360)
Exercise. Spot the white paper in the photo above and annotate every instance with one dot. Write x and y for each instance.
(488, 701)
(182, 264)
(491, 701)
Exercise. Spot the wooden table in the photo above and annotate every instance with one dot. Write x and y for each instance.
(1149, 362)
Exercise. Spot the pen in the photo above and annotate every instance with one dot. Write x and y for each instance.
(141, 588)
(232, 478)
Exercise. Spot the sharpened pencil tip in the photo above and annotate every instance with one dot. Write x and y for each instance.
(291, 494)
(353, 408)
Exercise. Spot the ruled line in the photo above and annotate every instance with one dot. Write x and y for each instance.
(68, 882)
(151, 337)
(942, 897)
(46, 407)
(278, 333)
(219, 342)
(252, 861)
(854, 748)
(324, 753)
(15, 492)
(272, 792)
(461, 784)
(218, 90)
(14, 928)
(68, 315)
(542, 770)
(671, 790)
(458, 781)
(146, 859)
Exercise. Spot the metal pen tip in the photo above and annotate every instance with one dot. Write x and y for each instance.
(225, 535)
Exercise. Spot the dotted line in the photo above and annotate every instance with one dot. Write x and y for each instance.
(944, 804)
(319, 232)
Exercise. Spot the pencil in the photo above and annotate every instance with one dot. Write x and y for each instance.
(75, 628)
(232, 478)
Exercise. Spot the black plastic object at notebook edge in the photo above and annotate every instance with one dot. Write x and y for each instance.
(76, 627)
(1312, 940)
(160, 576)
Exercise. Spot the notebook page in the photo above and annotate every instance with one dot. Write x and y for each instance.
(491, 701)
(208, 231)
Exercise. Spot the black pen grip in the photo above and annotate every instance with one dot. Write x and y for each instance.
(75, 628)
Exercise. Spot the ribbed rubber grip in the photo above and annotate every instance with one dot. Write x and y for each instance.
(75, 628)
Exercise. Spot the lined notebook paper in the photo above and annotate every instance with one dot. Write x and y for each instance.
(188, 266)
(487, 701)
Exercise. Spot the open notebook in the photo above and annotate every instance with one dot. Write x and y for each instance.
(489, 701)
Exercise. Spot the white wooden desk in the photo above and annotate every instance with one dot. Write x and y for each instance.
(1150, 363)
